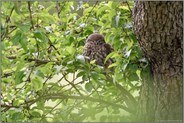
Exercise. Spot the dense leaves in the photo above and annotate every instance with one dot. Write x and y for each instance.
(45, 77)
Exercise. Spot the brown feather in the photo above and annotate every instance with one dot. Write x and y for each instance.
(96, 49)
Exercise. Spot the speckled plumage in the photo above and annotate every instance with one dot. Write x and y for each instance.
(96, 49)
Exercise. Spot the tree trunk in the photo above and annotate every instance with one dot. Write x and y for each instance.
(159, 29)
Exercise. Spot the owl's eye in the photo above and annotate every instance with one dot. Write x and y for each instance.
(100, 42)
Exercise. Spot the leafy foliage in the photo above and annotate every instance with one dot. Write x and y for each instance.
(44, 74)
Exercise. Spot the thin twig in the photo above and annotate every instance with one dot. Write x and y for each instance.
(91, 11)
(12, 30)
(3, 35)
(51, 44)
(49, 77)
(129, 7)
(30, 14)
(52, 109)
(73, 85)
(57, 8)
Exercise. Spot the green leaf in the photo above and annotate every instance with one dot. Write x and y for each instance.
(23, 42)
(24, 27)
(95, 76)
(124, 8)
(19, 37)
(37, 83)
(17, 7)
(113, 65)
(40, 35)
(45, 69)
(81, 73)
(108, 37)
(46, 17)
(17, 116)
(84, 78)
(102, 76)
(103, 118)
(138, 72)
(19, 76)
(88, 86)
(18, 102)
(16, 38)
(5, 80)
(128, 53)
(35, 113)
(3, 45)
(70, 49)
(130, 44)
(133, 77)
(108, 56)
(93, 61)
(40, 73)
(102, 10)
(125, 66)
(40, 104)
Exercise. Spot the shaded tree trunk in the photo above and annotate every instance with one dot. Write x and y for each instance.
(159, 29)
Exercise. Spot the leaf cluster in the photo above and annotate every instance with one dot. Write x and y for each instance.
(44, 77)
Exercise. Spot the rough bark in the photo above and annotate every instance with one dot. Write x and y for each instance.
(159, 29)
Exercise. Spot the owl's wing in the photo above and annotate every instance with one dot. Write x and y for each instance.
(108, 48)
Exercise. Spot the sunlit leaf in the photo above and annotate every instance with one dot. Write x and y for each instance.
(93, 61)
(18, 102)
(37, 83)
(138, 72)
(112, 65)
(128, 53)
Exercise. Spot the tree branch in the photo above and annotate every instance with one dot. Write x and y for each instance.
(6, 23)
(129, 7)
(57, 8)
(51, 44)
(30, 14)
(62, 96)
(38, 61)
(72, 84)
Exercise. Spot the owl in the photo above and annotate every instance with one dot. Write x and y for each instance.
(97, 49)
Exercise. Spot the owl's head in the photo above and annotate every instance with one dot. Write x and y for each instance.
(96, 38)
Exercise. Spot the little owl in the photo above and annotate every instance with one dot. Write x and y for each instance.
(96, 49)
